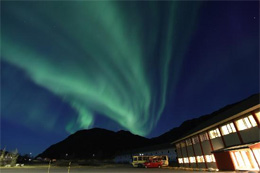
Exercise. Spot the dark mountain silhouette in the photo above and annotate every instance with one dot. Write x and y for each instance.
(102, 144)
(95, 143)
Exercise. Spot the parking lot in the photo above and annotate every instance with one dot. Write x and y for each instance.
(87, 169)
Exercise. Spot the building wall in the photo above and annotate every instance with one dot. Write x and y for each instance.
(231, 139)
(206, 147)
(217, 143)
(178, 150)
(250, 135)
(184, 153)
(197, 149)
(125, 158)
(190, 151)
(234, 137)
(212, 165)
(224, 161)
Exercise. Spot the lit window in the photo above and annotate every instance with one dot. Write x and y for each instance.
(234, 159)
(244, 159)
(246, 123)
(204, 137)
(188, 142)
(252, 120)
(228, 128)
(192, 160)
(258, 115)
(182, 144)
(178, 145)
(246, 120)
(200, 159)
(210, 158)
(186, 160)
(257, 154)
(241, 125)
(233, 127)
(180, 160)
(214, 133)
(244, 155)
(195, 140)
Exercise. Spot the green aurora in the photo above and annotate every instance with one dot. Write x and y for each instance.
(117, 59)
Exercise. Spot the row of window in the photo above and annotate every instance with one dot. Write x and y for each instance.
(200, 159)
(241, 124)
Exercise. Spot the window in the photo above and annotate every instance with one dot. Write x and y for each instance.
(182, 144)
(257, 154)
(178, 146)
(195, 140)
(246, 123)
(200, 159)
(258, 115)
(180, 160)
(228, 128)
(252, 120)
(186, 160)
(210, 158)
(214, 133)
(244, 159)
(192, 160)
(204, 137)
(188, 142)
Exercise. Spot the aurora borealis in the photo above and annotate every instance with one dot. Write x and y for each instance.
(137, 66)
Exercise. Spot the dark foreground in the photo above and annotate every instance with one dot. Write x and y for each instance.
(78, 170)
(86, 169)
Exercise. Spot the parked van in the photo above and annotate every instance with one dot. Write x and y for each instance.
(138, 161)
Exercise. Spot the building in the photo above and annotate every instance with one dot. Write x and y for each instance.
(230, 140)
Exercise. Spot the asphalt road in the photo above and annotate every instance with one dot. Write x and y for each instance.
(80, 170)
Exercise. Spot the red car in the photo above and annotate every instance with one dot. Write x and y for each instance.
(153, 164)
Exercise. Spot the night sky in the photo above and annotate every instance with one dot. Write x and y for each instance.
(140, 66)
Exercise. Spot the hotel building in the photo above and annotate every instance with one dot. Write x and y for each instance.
(230, 140)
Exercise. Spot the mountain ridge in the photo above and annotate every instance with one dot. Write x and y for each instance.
(105, 144)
